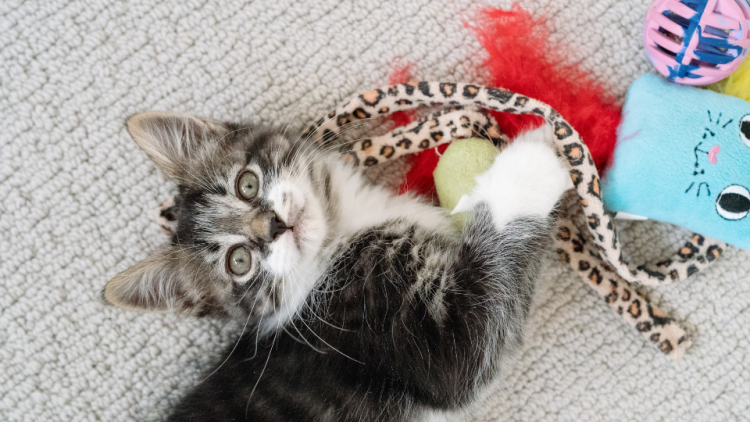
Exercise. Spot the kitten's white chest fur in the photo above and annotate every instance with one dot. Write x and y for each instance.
(361, 205)
(355, 205)
(526, 179)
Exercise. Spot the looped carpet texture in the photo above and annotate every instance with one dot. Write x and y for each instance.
(77, 196)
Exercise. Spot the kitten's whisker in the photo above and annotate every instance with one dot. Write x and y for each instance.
(294, 116)
(317, 130)
(247, 407)
(329, 345)
(242, 333)
(309, 306)
(233, 348)
(305, 339)
(334, 145)
(249, 126)
(319, 318)
(348, 127)
(295, 338)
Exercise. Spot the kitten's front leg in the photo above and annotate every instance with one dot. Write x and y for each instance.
(527, 179)
(489, 285)
(512, 226)
(422, 315)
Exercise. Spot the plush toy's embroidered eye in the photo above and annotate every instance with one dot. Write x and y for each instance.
(247, 185)
(733, 202)
(745, 130)
(239, 260)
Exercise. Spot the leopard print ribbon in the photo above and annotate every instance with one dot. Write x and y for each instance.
(595, 253)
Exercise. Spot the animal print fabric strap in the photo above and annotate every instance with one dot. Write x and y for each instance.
(698, 253)
(427, 132)
(596, 255)
(623, 297)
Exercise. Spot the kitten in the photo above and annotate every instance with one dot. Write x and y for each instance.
(360, 304)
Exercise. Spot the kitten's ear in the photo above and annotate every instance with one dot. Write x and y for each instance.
(152, 285)
(172, 139)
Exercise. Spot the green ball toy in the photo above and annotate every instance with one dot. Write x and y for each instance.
(455, 172)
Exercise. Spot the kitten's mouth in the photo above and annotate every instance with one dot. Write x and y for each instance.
(294, 224)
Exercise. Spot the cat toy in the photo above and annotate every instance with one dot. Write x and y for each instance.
(522, 58)
(594, 250)
(697, 42)
(696, 143)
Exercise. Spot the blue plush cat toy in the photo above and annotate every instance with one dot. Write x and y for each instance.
(683, 156)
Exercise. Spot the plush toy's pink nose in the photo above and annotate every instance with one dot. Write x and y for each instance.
(712, 154)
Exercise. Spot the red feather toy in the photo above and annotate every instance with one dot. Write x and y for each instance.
(522, 58)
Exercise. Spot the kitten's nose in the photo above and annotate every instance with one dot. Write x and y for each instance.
(276, 227)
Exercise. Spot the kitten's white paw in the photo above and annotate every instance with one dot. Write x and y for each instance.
(527, 178)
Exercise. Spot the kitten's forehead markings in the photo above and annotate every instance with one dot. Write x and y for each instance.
(255, 168)
(227, 203)
(286, 193)
(231, 176)
(219, 207)
(282, 143)
(227, 240)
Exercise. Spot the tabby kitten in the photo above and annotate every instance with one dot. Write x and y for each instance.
(359, 304)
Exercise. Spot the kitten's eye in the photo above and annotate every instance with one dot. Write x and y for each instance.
(239, 260)
(247, 185)
(745, 130)
(733, 202)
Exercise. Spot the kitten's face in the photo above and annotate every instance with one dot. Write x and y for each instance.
(250, 220)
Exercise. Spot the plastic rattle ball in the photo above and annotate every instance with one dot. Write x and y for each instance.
(697, 42)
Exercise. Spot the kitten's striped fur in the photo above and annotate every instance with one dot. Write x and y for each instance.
(373, 307)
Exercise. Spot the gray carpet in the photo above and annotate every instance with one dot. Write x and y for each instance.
(76, 201)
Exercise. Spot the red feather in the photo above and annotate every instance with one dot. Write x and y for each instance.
(419, 177)
(522, 58)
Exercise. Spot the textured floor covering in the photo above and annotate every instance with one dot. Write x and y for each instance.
(76, 197)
